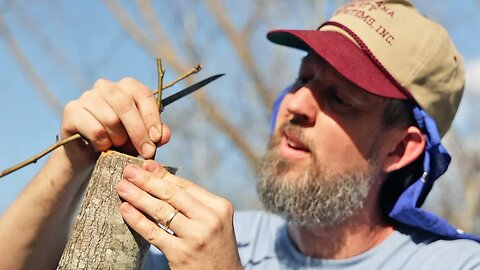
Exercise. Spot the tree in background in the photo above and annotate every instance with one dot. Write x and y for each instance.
(220, 132)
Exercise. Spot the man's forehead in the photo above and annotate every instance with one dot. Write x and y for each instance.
(354, 91)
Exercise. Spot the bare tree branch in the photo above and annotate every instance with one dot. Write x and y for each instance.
(28, 69)
(77, 136)
(188, 29)
(469, 173)
(131, 27)
(252, 20)
(218, 119)
(38, 156)
(230, 131)
(54, 52)
(168, 53)
(240, 42)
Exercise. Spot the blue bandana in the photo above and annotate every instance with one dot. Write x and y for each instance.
(436, 160)
(435, 163)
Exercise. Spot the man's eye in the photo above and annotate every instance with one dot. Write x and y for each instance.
(338, 100)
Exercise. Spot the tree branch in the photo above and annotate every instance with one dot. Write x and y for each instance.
(168, 50)
(28, 69)
(192, 71)
(40, 155)
(239, 42)
(53, 51)
(131, 27)
(468, 170)
(227, 128)
(78, 136)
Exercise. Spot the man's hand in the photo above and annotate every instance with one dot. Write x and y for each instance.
(204, 236)
(122, 115)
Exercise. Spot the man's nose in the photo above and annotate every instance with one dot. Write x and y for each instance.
(302, 106)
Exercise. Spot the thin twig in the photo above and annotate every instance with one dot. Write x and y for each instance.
(161, 72)
(194, 70)
(239, 42)
(77, 136)
(28, 68)
(40, 155)
(170, 55)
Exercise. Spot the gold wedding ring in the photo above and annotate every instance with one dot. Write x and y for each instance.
(170, 218)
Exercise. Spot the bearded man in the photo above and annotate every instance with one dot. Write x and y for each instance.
(355, 149)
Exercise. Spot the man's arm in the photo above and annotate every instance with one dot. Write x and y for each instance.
(34, 230)
(123, 115)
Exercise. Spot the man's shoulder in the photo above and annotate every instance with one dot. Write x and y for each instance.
(429, 250)
(456, 254)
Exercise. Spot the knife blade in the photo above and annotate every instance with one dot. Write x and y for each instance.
(172, 98)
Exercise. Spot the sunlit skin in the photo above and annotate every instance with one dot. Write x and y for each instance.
(342, 130)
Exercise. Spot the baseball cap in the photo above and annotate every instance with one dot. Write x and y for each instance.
(391, 50)
(394, 52)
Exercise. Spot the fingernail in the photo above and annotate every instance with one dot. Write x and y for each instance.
(124, 187)
(126, 208)
(151, 166)
(130, 172)
(154, 134)
(148, 149)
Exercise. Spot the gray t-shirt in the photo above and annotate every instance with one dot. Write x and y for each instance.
(263, 243)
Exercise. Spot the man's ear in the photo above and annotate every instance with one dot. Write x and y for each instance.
(407, 148)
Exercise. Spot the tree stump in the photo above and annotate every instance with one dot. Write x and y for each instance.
(100, 238)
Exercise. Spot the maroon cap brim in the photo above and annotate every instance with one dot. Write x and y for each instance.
(343, 55)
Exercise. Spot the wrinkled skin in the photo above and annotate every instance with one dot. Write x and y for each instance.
(120, 115)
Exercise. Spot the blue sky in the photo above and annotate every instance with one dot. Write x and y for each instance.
(97, 47)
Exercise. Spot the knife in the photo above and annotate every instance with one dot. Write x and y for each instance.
(166, 101)
(190, 89)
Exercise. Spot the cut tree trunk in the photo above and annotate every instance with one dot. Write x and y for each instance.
(100, 238)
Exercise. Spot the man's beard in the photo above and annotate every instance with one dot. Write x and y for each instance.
(311, 195)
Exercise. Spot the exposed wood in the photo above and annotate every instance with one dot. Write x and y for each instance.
(100, 238)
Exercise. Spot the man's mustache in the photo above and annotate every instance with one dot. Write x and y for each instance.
(295, 130)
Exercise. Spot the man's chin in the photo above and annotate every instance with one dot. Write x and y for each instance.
(292, 169)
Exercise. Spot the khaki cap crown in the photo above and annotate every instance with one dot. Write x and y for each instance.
(417, 52)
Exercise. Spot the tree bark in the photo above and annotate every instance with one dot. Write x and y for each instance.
(100, 238)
